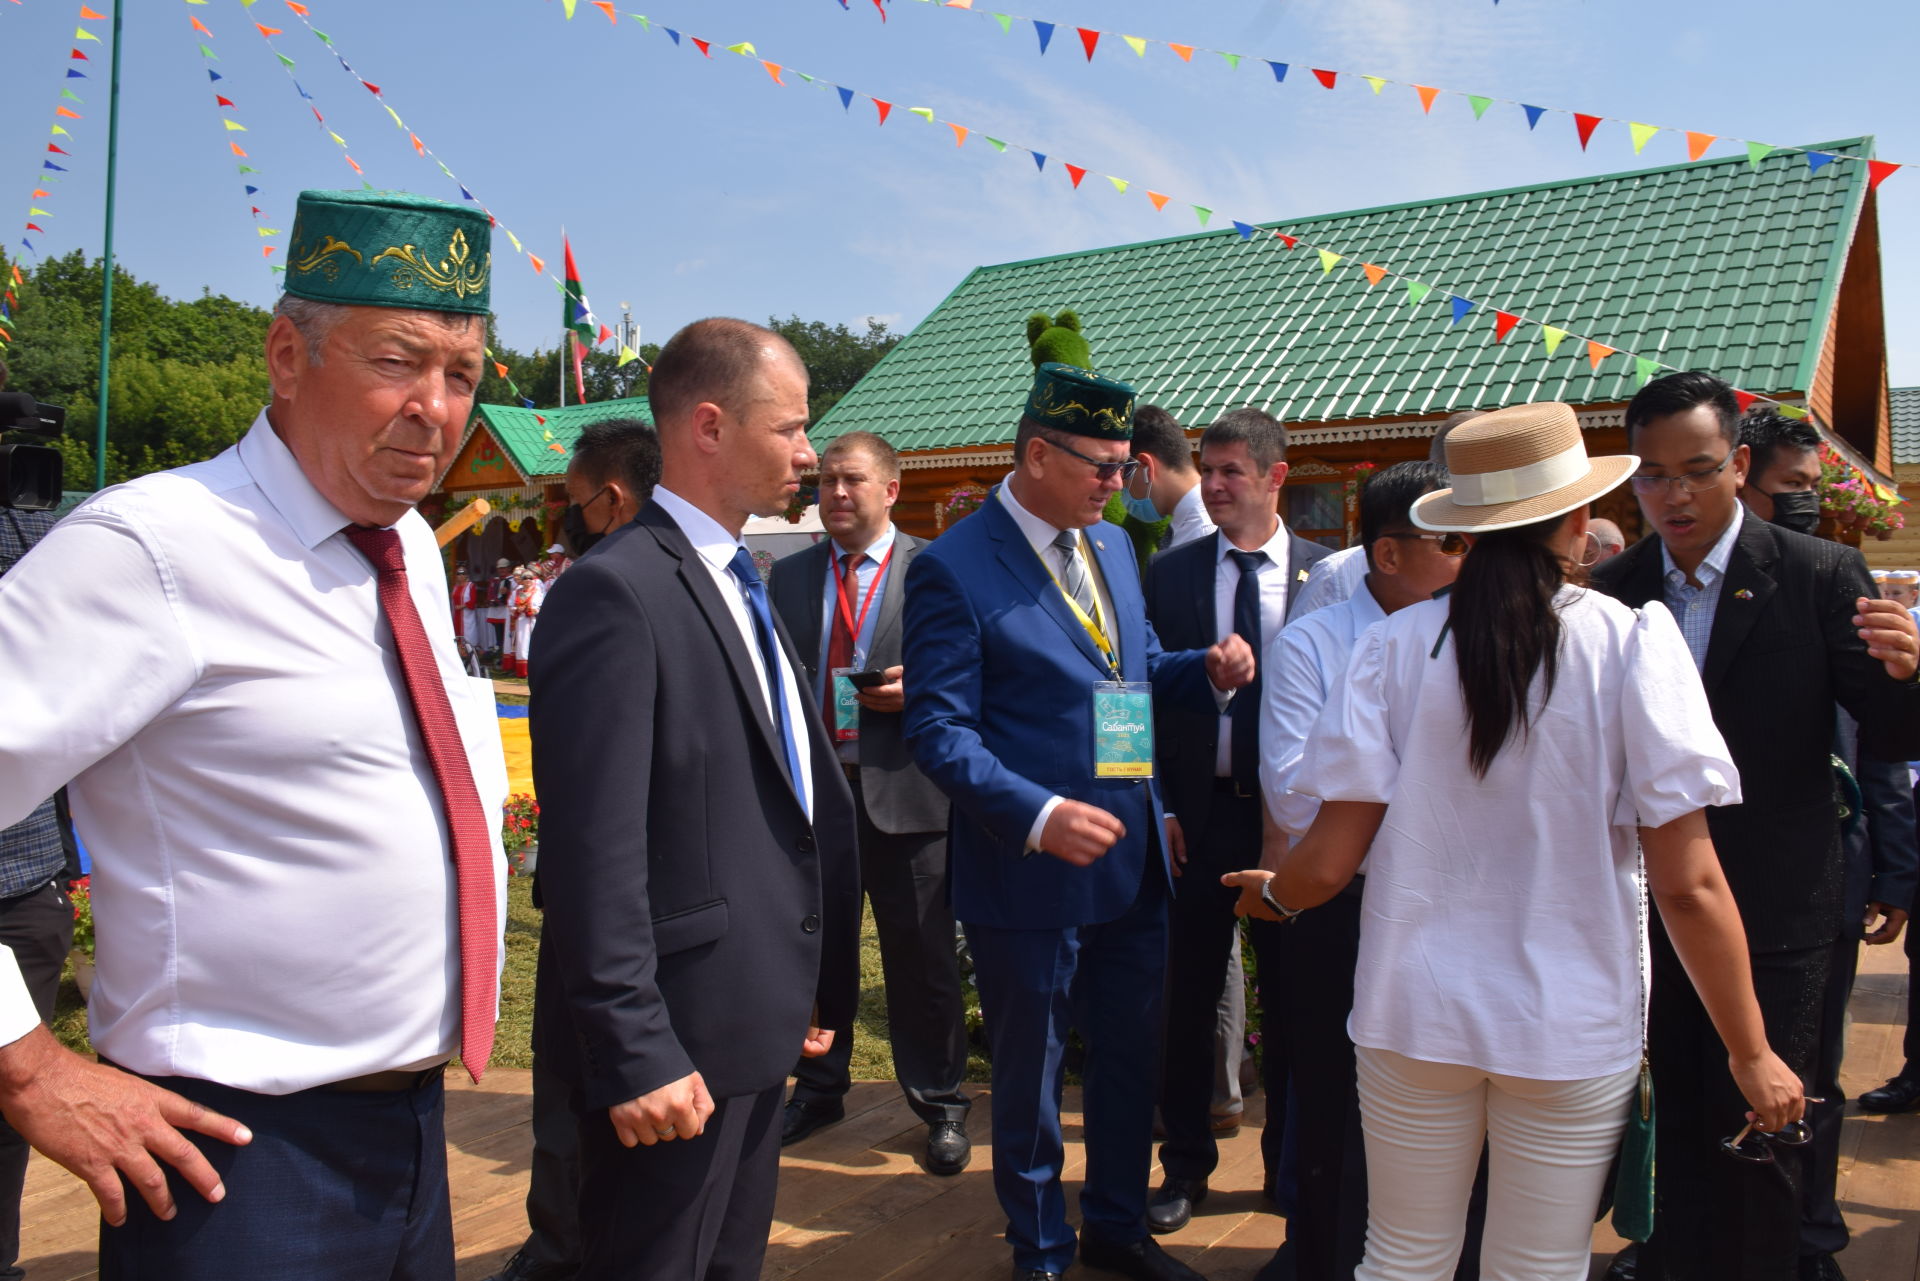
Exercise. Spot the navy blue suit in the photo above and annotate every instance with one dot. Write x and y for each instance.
(1000, 716)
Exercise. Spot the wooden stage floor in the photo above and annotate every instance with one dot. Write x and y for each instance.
(854, 1205)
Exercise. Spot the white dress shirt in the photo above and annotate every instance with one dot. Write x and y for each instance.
(1040, 536)
(1333, 578)
(859, 588)
(201, 654)
(17, 1013)
(1273, 614)
(1500, 921)
(715, 548)
(1302, 665)
(1190, 520)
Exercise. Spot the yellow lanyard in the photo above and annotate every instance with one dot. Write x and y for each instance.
(1095, 629)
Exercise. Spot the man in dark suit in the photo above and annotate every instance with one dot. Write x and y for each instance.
(698, 866)
(1242, 581)
(842, 600)
(1782, 627)
(1029, 705)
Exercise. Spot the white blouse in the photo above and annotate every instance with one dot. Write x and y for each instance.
(1500, 920)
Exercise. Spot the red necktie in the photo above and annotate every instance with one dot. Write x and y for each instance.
(466, 817)
(840, 639)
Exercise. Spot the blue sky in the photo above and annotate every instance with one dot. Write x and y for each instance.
(694, 186)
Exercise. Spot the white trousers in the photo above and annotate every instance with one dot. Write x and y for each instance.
(1550, 1145)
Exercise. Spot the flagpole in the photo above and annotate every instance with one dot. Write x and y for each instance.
(564, 334)
(106, 284)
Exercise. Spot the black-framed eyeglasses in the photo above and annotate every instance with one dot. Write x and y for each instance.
(1124, 469)
(1694, 482)
(1453, 544)
(1756, 1145)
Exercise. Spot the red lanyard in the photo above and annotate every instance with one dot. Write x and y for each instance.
(846, 607)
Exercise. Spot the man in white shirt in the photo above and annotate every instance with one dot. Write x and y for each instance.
(1310, 988)
(290, 791)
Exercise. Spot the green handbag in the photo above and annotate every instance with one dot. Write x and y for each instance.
(1633, 1168)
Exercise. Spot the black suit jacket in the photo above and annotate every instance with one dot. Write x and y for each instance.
(1179, 591)
(900, 799)
(694, 917)
(1782, 652)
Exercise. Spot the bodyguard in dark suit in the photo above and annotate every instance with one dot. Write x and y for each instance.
(1060, 870)
(1782, 626)
(842, 600)
(1240, 580)
(699, 878)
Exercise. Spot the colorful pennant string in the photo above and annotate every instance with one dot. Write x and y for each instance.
(1584, 122)
(287, 65)
(1417, 291)
(248, 172)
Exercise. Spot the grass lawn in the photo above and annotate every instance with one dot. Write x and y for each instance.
(872, 1059)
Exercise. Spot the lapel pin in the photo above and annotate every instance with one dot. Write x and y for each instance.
(1300, 577)
(1743, 594)
(1100, 544)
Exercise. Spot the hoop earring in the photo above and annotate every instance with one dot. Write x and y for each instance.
(1592, 557)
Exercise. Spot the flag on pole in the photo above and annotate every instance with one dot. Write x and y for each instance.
(578, 327)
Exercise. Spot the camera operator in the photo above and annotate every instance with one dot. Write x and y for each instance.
(36, 917)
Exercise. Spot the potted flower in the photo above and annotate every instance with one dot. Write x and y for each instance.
(520, 833)
(80, 892)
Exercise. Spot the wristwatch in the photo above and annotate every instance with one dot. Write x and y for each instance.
(1266, 896)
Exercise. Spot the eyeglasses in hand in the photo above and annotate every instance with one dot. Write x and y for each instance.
(1756, 1145)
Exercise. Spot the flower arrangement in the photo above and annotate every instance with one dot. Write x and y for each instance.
(81, 894)
(1853, 500)
(805, 497)
(962, 500)
(1357, 480)
(519, 827)
(509, 505)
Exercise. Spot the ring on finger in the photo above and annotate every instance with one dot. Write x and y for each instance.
(666, 1133)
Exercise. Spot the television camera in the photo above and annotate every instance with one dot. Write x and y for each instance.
(30, 474)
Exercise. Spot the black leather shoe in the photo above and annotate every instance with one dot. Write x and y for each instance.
(1902, 1094)
(948, 1147)
(802, 1119)
(1172, 1206)
(1820, 1267)
(522, 1268)
(1035, 1274)
(1625, 1265)
(1143, 1260)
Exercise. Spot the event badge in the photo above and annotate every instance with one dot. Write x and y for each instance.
(1122, 729)
(846, 705)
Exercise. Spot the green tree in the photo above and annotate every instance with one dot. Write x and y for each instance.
(835, 356)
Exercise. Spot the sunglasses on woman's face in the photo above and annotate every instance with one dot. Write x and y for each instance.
(1450, 544)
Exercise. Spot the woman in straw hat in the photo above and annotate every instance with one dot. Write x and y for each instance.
(1489, 756)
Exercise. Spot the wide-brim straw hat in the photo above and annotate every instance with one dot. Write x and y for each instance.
(1516, 466)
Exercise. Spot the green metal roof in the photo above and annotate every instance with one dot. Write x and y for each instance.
(1905, 403)
(1718, 265)
(539, 442)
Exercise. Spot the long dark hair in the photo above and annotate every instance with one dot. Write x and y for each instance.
(1505, 629)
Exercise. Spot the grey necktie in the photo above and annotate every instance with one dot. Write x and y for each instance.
(1073, 573)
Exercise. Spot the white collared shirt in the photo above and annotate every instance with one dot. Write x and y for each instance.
(1273, 614)
(716, 548)
(1189, 519)
(201, 653)
(860, 587)
(1302, 665)
(1040, 536)
(1333, 578)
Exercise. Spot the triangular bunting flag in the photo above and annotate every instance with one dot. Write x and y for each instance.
(81, 33)
(267, 32)
(1697, 144)
(846, 97)
(1326, 78)
(1159, 201)
(1279, 71)
(773, 69)
(1119, 184)
(1878, 171)
(222, 100)
(1045, 31)
(959, 134)
(500, 369)
(1503, 323)
(1244, 228)
(234, 126)
(1374, 274)
(1378, 82)
(1136, 44)
(1641, 134)
(1552, 337)
(1597, 352)
(1644, 368)
(91, 16)
(1076, 173)
(605, 333)
(1461, 306)
(995, 143)
(539, 263)
(1289, 241)
(704, 46)
(606, 7)
(1533, 114)
(76, 55)
(1327, 260)
(1202, 213)
(200, 26)
(1815, 159)
(1184, 52)
(1584, 125)
(1232, 60)
(1479, 104)
(1089, 40)
(68, 113)
(1416, 292)
(883, 108)
(627, 356)
(1005, 21)
(1793, 411)
(925, 113)
(1756, 152)
(1427, 95)
(1039, 160)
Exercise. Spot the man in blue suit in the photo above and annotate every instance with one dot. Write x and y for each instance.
(1059, 859)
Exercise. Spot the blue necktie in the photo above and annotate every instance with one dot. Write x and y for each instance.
(1245, 710)
(749, 576)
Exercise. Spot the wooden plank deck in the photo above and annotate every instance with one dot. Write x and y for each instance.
(854, 1205)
